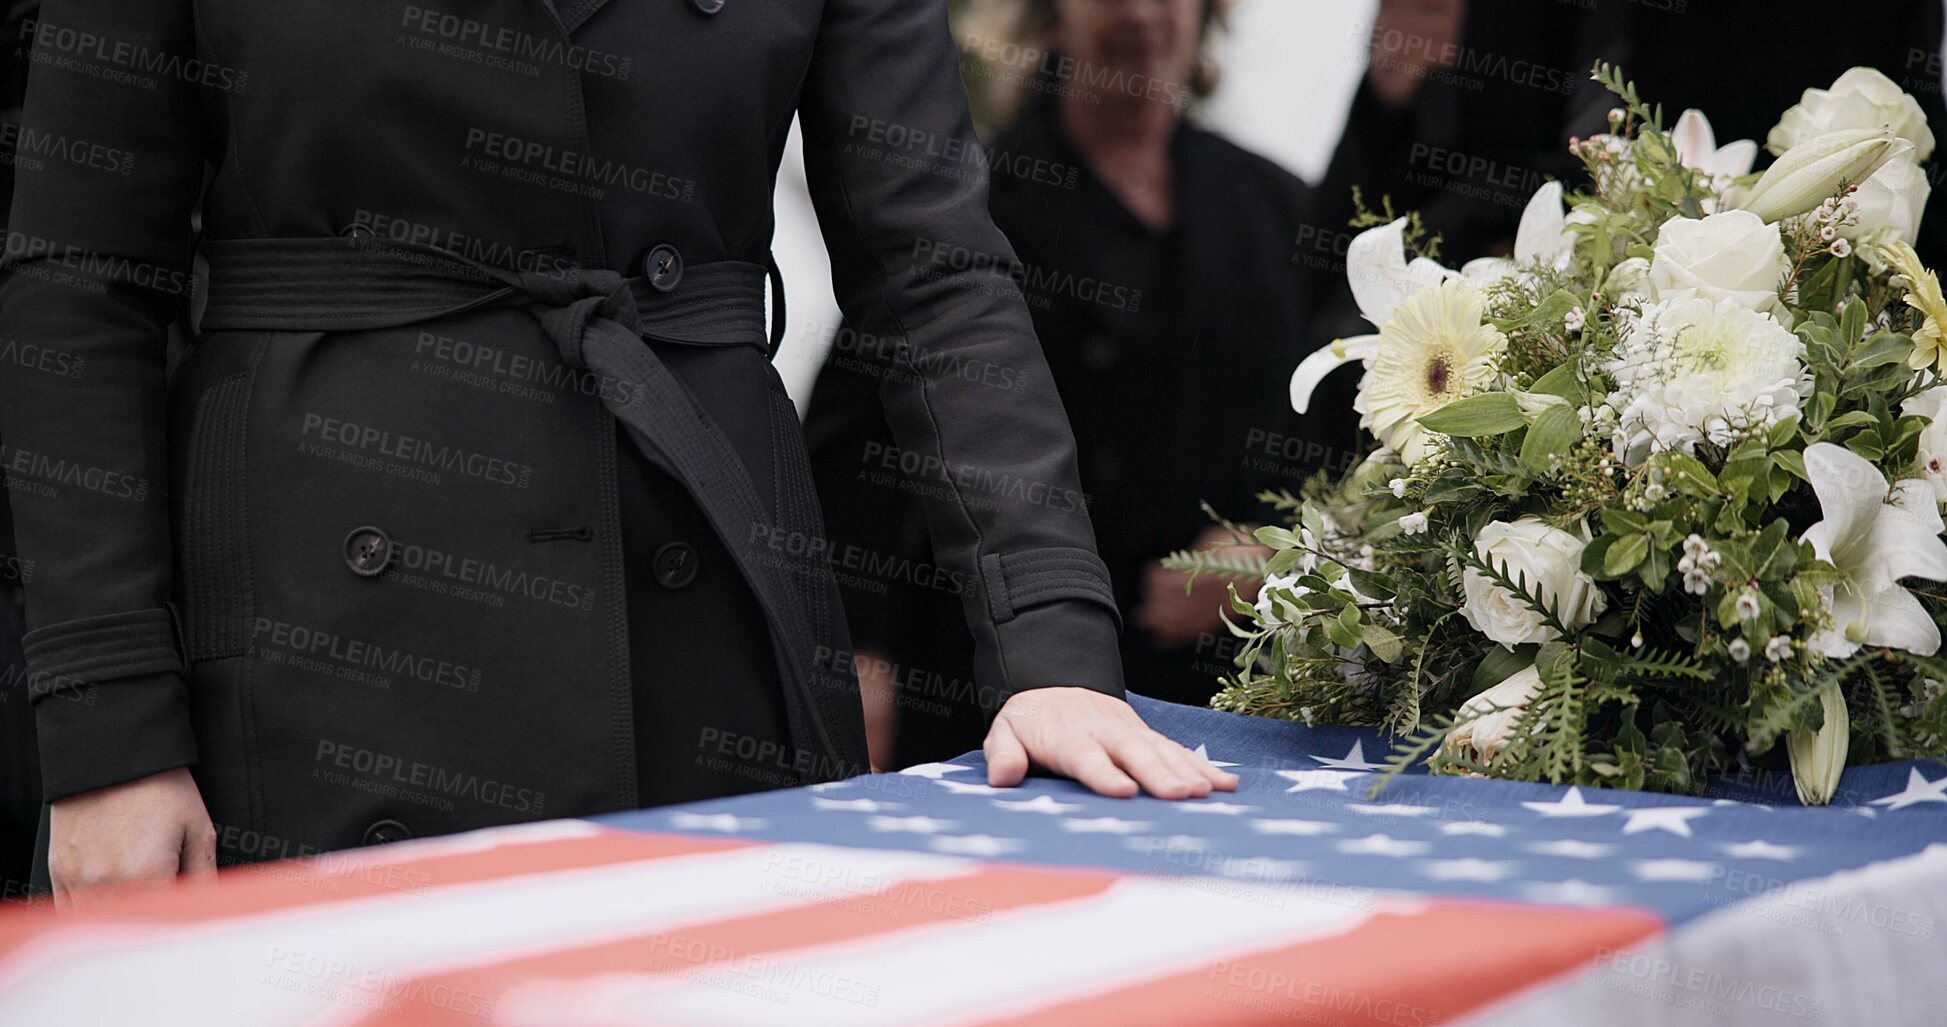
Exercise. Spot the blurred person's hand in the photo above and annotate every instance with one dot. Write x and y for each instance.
(151, 828)
(879, 691)
(1176, 617)
(1410, 38)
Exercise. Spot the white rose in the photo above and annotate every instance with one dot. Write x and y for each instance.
(1729, 256)
(1861, 98)
(1629, 283)
(1487, 720)
(1933, 439)
(1890, 204)
(1550, 560)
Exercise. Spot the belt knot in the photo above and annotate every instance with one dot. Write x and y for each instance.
(574, 303)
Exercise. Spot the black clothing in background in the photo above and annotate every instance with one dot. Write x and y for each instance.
(20, 772)
(1482, 136)
(1172, 352)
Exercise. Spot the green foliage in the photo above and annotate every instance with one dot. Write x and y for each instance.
(1701, 656)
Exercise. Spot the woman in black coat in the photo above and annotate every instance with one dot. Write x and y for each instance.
(477, 500)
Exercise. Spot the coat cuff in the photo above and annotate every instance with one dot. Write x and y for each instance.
(1067, 643)
(105, 733)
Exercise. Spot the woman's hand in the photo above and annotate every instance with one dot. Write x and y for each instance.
(153, 827)
(1176, 616)
(1097, 740)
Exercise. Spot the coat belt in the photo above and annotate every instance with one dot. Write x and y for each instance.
(597, 319)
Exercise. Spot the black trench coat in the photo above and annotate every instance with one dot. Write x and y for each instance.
(361, 559)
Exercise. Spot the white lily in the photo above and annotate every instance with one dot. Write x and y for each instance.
(1819, 757)
(1542, 237)
(1381, 279)
(1811, 171)
(1697, 148)
(1876, 535)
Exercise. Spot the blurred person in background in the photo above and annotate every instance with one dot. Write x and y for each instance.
(1160, 268)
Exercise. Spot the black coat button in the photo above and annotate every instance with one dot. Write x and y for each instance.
(675, 565)
(663, 267)
(367, 552)
(387, 831)
(708, 6)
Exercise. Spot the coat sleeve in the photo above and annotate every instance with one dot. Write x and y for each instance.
(97, 266)
(900, 185)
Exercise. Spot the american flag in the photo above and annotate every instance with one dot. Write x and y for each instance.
(927, 897)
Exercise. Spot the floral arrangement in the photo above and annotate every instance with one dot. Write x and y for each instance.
(1651, 498)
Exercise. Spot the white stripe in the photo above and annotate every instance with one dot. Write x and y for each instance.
(958, 972)
(289, 967)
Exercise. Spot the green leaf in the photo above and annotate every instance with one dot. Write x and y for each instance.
(1500, 664)
(1383, 643)
(1563, 382)
(1625, 554)
(1618, 521)
(1688, 475)
(1489, 413)
(1553, 433)
(1880, 350)
(1276, 537)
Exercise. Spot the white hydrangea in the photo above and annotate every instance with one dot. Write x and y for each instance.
(1690, 370)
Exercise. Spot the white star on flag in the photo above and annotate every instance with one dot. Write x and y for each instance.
(1468, 869)
(1760, 849)
(963, 788)
(1316, 780)
(1381, 845)
(934, 770)
(1572, 892)
(1393, 809)
(1473, 827)
(1571, 805)
(1918, 790)
(1354, 760)
(1228, 809)
(1200, 750)
(982, 845)
(1262, 868)
(1301, 828)
(1038, 804)
(1570, 848)
(1685, 870)
(728, 823)
(828, 786)
(854, 805)
(1105, 825)
(915, 825)
(1674, 819)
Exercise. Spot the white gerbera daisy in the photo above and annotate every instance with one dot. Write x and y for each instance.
(1437, 348)
(1690, 370)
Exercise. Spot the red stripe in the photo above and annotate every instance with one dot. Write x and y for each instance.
(466, 996)
(1393, 970)
(364, 873)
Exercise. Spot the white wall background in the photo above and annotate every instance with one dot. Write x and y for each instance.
(1290, 67)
